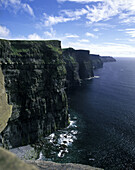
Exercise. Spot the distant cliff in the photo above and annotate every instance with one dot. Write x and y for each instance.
(34, 75)
(107, 59)
(78, 66)
(96, 61)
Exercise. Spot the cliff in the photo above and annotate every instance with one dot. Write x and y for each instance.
(5, 108)
(33, 102)
(78, 66)
(107, 59)
(34, 77)
(96, 61)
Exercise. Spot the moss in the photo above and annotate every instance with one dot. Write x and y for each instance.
(19, 51)
(72, 60)
(61, 70)
(55, 49)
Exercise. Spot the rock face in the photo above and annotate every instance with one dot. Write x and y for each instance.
(78, 66)
(96, 61)
(107, 59)
(48, 165)
(5, 108)
(34, 76)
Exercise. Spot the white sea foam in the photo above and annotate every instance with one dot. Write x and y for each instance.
(72, 124)
(62, 153)
(58, 143)
(51, 137)
(74, 132)
(90, 78)
(91, 159)
(40, 156)
(96, 77)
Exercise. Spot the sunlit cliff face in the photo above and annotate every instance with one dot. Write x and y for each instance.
(5, 108)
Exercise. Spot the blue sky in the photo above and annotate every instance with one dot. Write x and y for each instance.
(105, 27)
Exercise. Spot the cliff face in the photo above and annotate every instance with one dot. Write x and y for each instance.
(107, 59)
(34, 76)
(5, 108)
(78, 66)
(96, 61)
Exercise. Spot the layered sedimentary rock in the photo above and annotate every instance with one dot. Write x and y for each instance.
(96, 61)
(107, 59)
(78, 66)
(34, 76)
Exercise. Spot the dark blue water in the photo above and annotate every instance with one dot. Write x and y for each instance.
(104, 133)
(106, 111)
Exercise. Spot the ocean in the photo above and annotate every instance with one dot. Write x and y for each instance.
(102, 130)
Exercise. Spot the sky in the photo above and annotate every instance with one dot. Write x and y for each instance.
(105, 27)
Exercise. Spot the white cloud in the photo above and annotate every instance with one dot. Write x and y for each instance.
(131, 40)
(103, 25)
(63, 17)
(101, 12)
(109, 8)
(76, 13)
(113, 49)
(28, 9)
(128, 20)
(104, 10)
(84, 41)
(34, 36)
(96, 29)
(50, 34)
(80, 1)
(17, 5)
(52, 20)
(4, 31)
(71, 36)
(88, 34)
(131, 32)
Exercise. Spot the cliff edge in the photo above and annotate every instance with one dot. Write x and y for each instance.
(107, 59)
